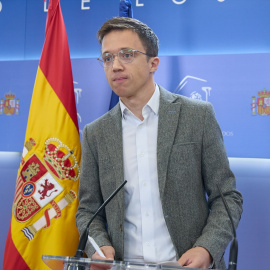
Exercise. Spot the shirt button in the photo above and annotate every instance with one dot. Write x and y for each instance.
(145, 184)
(148, 244)
(142, 154)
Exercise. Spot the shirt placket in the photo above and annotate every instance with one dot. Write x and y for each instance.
(147, 216)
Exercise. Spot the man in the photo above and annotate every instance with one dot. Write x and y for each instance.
(170, 150)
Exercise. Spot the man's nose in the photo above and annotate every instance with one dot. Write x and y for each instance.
(116, 64)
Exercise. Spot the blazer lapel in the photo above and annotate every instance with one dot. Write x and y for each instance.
(112, 128)
(167, 126)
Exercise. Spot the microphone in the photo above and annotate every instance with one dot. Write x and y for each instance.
(84, 236)
(234, 244)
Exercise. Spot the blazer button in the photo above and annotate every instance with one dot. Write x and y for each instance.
(121, 227)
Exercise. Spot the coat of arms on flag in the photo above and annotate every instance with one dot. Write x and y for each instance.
(39, 183)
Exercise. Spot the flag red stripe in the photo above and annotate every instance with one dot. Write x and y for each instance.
(57, 67)
(12, 258)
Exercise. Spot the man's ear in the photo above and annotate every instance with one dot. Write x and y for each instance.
(153, 62)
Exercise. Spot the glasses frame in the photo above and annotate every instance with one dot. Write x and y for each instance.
(119, 58)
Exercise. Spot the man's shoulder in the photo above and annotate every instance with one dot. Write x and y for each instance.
(114, 112)
(170, 97)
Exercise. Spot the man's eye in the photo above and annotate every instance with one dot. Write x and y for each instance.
(127, 55)
(107, 59)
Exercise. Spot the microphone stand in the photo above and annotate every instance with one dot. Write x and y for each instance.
(234, 244)
(84, 236)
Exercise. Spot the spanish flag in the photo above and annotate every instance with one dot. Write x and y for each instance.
(46, 195)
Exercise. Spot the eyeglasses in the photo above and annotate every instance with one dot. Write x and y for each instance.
(125, 56)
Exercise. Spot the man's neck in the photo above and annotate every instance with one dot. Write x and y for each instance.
(136, 104)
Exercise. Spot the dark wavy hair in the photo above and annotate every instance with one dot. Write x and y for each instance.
(146, 34)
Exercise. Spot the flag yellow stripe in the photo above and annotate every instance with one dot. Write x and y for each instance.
(47, 114)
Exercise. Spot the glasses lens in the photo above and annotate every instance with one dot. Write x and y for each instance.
(107, 59)
(126, 55)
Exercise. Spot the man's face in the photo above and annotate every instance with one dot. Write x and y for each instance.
(132, 79)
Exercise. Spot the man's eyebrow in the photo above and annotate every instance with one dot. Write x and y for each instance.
(124, 48)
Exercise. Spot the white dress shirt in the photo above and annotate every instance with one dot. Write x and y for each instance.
(146, 235)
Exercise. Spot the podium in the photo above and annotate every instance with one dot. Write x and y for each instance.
(73, 263)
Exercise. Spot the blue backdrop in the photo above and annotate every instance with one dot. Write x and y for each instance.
(214, 50)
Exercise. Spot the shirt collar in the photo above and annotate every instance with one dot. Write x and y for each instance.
(153, 103)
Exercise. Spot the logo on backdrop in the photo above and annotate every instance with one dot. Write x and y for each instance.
(40, 182)
(262, 104)
(194, 87)
(10, 105)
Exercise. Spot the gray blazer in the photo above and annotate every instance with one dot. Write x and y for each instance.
(191, 161)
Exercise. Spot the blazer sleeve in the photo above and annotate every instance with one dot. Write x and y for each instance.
(90, 197)
(217, 232)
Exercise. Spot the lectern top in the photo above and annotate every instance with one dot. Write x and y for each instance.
(74, 263)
